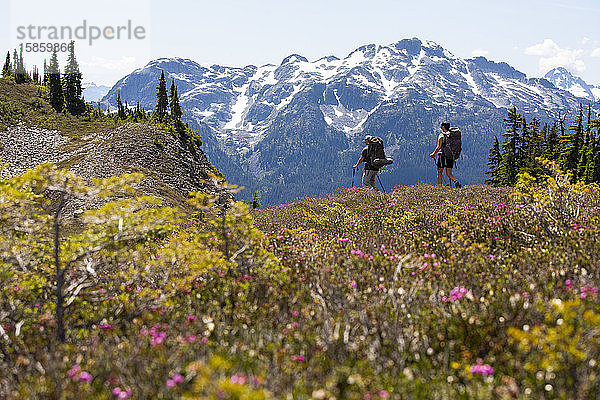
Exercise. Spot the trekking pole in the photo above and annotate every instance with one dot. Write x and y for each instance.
(381, 184)
(353, 172)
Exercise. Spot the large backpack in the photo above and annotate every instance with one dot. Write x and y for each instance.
(452, 144)
(377, 153)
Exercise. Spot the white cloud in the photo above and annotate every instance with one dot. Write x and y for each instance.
(124, 63)
(596, 53)
(585, 40)
(107, 71)
(552, 56)
(479, 53)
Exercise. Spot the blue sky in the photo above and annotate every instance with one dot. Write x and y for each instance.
(531, 35)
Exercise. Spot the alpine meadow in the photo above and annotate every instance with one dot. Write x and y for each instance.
(209, 232)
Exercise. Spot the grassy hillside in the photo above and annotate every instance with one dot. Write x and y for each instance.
(422, 293)
(27, 103)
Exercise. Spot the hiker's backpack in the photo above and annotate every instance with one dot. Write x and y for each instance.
(452, 144)
(377, 153)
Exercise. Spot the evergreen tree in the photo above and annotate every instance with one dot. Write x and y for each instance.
(585, 166)
(510, 147)
(72, 84)
(15, 60)
(523, 146)
(7, 70)
(573, 142)
(174, 102)
(35, 75)
(543, 145)
(596, 170)
(20, 73)
(495, 164)
(54, 84)
(254, 204)
(596, 173)
(552, 144)
(120, 108)
(162, 99)
(45, 79)
(534, 147)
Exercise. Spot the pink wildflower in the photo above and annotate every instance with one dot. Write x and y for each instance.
(480, 368)
(298, 358)
(205, 340)
(170, 383)
(384, 394)
(85, 376)
(568, 283)
(177, 378)
(124, 395)
(457, 293)
(74, 371)
(238, 379)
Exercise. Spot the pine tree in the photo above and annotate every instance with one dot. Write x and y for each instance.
(254, 204)
(174, 102)
(573, 142)
(45, 79)
(585, 166)
(596, 173)
(72, 84)
(120, 108)
(552, 143)
(534, 147)
(162, 100)
(523, 146)
(7, 70)
(495, 164)
(15, 60)
(510, 147)
(596, 160)
(35, 75)
(54, 84)
(20, 73)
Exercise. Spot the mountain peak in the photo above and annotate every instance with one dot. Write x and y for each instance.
(565, 80)
(293, 58)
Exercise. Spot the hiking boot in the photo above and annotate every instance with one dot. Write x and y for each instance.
(457, 184)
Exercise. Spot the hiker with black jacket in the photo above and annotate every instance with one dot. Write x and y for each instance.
(370, 173)
(446, 154)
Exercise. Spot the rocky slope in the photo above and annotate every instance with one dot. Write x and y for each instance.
(172, 166)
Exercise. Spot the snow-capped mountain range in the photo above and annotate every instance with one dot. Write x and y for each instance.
(262, 122)
(240, 102)
(563, 79)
